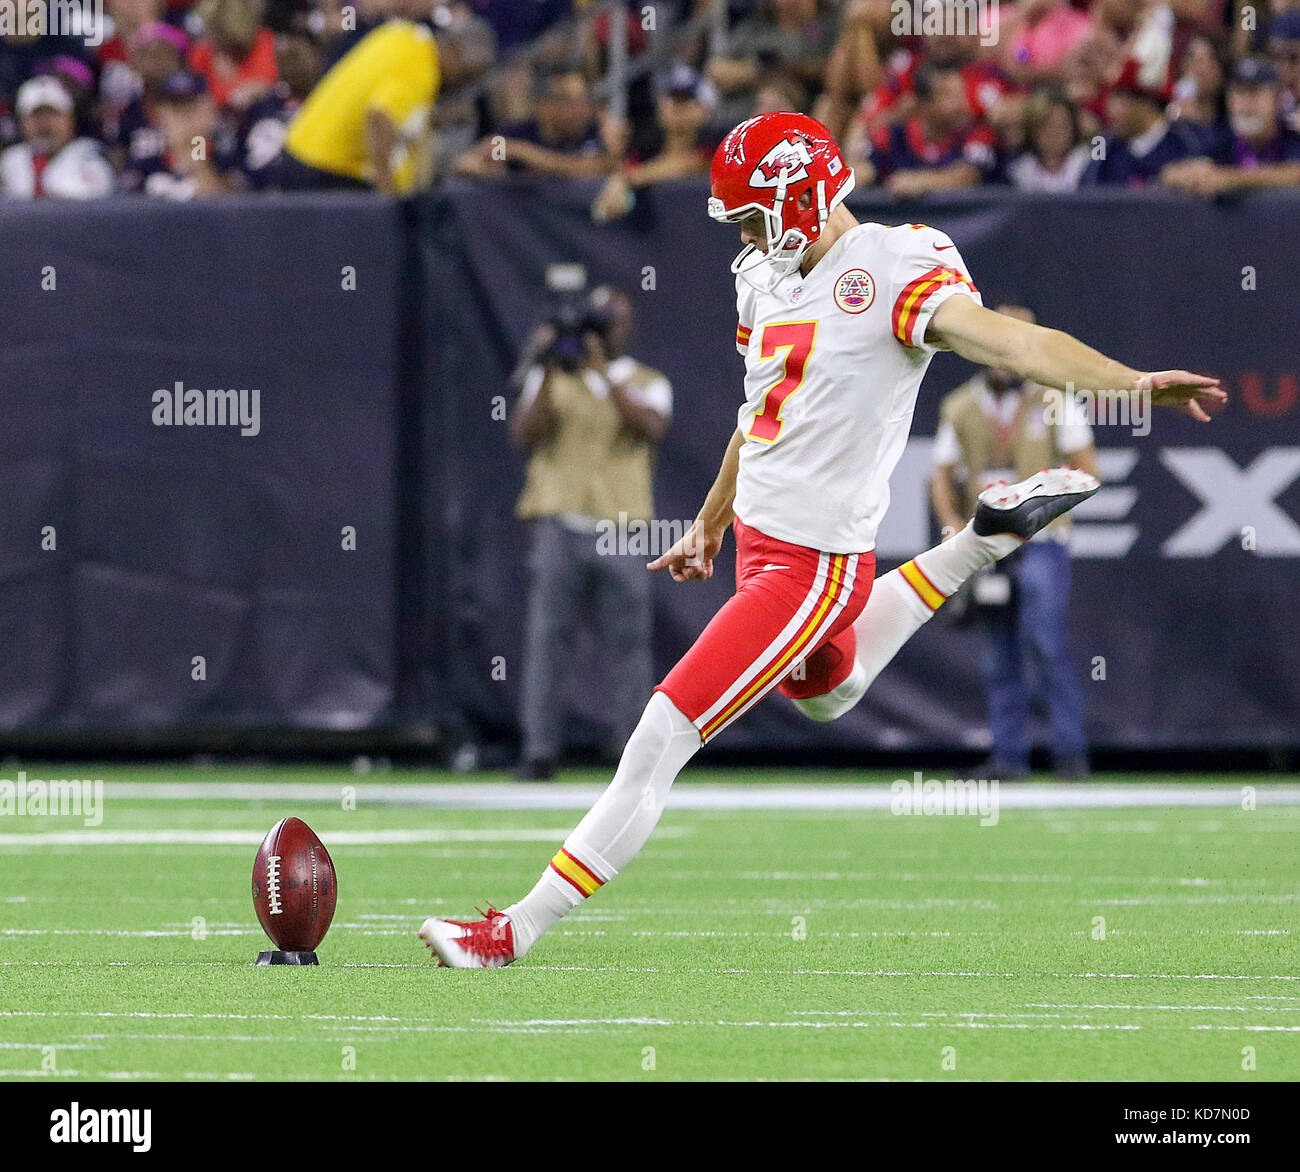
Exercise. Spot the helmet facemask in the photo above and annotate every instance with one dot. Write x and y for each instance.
(785, 246)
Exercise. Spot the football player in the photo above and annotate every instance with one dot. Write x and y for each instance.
(838, 321)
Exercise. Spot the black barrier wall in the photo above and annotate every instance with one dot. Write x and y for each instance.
(156, 573)
(380, 337)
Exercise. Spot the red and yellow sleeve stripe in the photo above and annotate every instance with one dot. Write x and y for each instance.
(577, 873)
(929, 593)
(910, 302)
(742, 336)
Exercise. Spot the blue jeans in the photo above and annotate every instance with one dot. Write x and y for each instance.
(1027, 645)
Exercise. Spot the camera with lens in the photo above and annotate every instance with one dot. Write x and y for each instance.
(572, 322)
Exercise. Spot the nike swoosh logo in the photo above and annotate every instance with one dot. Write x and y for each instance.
(941, 247)
(774, 566)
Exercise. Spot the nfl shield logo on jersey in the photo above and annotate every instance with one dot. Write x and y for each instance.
(855, 291)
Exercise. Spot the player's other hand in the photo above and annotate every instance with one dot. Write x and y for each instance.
(1184, 391)
(691, 558)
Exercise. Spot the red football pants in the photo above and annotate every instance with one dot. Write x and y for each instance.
(789, 625)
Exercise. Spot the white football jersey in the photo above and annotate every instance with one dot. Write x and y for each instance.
(833, 362)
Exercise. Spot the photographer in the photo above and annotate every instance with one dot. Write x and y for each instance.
(997, 427)
(589, 415)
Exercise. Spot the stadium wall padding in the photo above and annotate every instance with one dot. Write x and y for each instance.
(177, 542)
(381, 409)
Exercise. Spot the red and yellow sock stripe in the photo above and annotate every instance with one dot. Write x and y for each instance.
(929, 593)
(580, 876)
(774, 672)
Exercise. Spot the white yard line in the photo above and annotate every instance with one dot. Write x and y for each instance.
(88, 836)
(686, 796)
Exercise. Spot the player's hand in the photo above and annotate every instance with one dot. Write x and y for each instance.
(1183, 391)
(691, 558)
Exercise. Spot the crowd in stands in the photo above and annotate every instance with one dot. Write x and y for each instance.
(199, 97)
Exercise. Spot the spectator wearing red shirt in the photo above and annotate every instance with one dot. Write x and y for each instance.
(943, 145)
(236, 56)
(894, 98)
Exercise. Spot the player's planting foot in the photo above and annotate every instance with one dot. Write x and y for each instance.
(1022, 509)
(488, 943)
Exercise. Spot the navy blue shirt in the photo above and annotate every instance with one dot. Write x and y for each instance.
(518, 21)
(1122, 167)
(1235, 151)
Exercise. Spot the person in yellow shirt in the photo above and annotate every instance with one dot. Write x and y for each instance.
(366, 124)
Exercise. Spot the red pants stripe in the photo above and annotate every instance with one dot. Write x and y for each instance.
(789, 625)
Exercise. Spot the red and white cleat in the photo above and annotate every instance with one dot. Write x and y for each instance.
(488, 943)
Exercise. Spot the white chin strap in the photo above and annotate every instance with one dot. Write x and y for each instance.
(783, 257)
(780, 261)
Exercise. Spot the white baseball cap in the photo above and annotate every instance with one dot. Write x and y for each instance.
(43, 91)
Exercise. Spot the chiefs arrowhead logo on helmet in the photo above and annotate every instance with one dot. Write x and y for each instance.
(791, 156)
(799, 180)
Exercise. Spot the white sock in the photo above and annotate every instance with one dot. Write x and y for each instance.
(839, 699)
(901, 602)
(905, 599)
(951, 562)
(616, 827)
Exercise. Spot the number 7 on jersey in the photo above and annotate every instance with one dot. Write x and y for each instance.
(796, 338)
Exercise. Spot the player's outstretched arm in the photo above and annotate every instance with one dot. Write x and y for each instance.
(691, 558)
(1055, 359)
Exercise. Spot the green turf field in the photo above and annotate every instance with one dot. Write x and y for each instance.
(751, 944)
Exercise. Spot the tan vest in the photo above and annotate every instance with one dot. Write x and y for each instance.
(1030, 443)
(591, 466)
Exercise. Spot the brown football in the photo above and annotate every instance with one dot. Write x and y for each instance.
(294, 888)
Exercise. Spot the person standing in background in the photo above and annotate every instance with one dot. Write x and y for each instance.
(996, 427)
(366, 124)
(590, 416)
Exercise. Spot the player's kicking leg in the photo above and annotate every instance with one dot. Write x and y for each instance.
(789, 600)
(902, 601)
(791, 605)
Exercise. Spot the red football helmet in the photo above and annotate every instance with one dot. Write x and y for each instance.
(766, 165)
